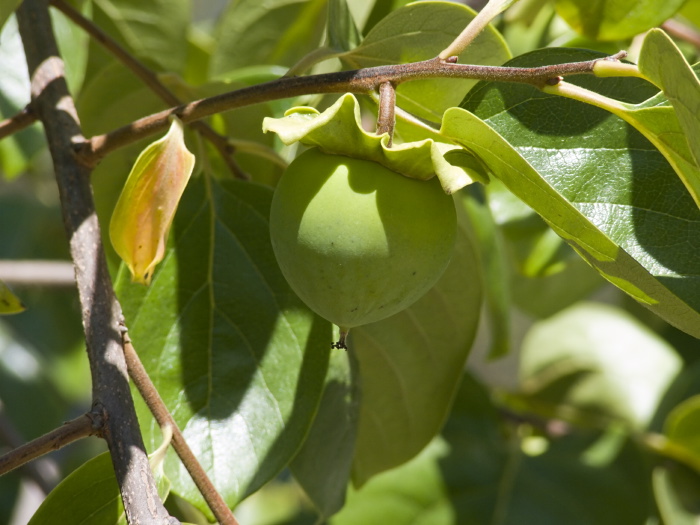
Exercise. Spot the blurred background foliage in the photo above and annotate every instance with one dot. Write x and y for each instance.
(589, 418)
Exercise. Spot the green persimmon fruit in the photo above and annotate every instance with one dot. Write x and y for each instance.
(356, 241)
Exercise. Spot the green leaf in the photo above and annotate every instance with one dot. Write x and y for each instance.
(676, 489)
(616, 19)
(595, 180)
(235, 355)
(577, 363)
(546, 275)
(479, 471)
(682, 426)
(322, 466)
(153, 31)
(420, 31)
(493, 265)
(411, 363)
(663, 63)
(279, 32)
(342, 32)
(88, 496)
(9, 302)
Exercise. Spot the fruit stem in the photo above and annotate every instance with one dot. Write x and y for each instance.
(342, 339)
(386, 119)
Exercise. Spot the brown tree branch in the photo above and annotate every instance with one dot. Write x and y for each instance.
(682, 31)
(360, 81)
(89, 424)
(150, 79)
(101, 312)
(160, 412)
(17, 122)
(37, 273)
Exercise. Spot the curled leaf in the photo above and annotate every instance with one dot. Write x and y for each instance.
(338, 130)
(9, 302)
(142, 217)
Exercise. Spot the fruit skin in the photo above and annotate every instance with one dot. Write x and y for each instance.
(356, 241)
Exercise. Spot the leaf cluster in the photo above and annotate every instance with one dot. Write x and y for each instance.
(551, 374)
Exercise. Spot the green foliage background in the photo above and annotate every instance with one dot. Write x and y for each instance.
(589, 415)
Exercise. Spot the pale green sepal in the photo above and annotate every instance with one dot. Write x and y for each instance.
(338, 130)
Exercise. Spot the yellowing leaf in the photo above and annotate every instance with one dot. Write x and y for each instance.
(142, 217)
(9, 303)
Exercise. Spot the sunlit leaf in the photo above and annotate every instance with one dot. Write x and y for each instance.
(577, 362)
(595, 180)
(237, 358)
(616, 19)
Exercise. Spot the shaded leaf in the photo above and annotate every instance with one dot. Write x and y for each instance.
(478, 472)
(419, 32)
(322, 466)
(578, 362)
(493, 265)
(146, 207)
(682, 428)
(411, 364)
(153, 30)
(595, 180)
(88, 496)
(277, 32)
(616, 19)
(676, 490)
(235, 355)
(342, 32)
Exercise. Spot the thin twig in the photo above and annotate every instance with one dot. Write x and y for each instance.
(89, 424)
(150, 79)
(386, 119)
(17, 122)
(101, 311)
(160, 412)
(38, 273)
(682, 32)
(361, 81)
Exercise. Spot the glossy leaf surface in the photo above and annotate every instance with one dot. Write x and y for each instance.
(602, 197)
(237, 358)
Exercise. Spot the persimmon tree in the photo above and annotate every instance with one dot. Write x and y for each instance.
(548, 375)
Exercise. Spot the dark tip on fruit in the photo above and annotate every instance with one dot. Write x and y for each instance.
(341, 341)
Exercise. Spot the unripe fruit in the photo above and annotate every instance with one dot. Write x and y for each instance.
(356, 241)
